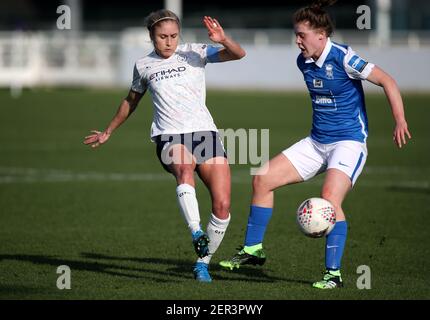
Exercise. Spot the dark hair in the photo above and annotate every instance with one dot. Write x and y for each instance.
(317, 17)
(158, 16)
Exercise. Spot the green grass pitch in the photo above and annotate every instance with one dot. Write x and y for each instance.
(111, 214)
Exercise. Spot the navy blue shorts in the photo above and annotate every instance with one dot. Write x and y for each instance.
(203, 145)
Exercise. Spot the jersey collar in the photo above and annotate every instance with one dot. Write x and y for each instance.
(323, 55)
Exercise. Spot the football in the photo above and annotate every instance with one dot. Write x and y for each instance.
(316, 217)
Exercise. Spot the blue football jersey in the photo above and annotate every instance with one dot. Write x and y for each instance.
(334, 84)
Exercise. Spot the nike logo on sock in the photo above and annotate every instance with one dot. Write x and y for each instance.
(329, 247)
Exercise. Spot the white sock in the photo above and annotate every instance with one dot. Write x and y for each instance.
(189, 206)
(216, 230)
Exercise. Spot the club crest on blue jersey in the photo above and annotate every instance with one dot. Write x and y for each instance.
(318, 83)
(329, 71)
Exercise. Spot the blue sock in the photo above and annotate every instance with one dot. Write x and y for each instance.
(258, 220)
(335, 243)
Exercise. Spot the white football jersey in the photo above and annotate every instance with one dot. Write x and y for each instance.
(178, 89)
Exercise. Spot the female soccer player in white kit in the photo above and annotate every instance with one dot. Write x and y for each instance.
(185, 134)
(337, 144)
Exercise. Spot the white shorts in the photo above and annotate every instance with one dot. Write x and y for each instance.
(310, 157)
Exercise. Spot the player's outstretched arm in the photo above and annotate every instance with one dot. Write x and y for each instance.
(232, 50)
(126, 108)
(381, 78)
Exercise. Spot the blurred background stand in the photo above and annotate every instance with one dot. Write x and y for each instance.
(106, 38)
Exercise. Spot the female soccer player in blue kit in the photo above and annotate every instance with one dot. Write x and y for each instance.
(183, 130)
(337, 142)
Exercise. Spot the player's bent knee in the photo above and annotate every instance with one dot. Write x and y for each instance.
(221, 208)
(184, 173)
(329, 195)
(260, 183)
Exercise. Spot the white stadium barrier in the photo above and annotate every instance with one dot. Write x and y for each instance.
(103, 59)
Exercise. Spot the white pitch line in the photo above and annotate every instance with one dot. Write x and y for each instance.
(32, 175)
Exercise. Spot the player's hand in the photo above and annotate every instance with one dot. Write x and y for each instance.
(96, 138)
(215, 31)
(400, 133)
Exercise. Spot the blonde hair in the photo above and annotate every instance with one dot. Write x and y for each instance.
(157, 16)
